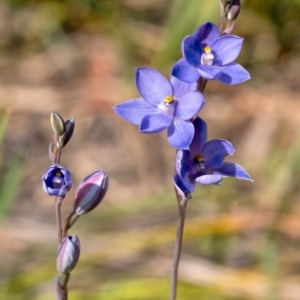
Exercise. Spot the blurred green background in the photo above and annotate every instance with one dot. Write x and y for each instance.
(78, 58)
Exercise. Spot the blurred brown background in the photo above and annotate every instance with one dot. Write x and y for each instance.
(78, 58)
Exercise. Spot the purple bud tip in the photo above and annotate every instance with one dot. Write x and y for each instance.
(70, 125)
(68, 254)
(90, 191)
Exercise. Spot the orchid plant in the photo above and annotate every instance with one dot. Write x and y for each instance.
(57, 182)
(174, 105)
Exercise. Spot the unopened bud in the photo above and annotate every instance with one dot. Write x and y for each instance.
(67, 256)
(90, 191)
(70, 125)
(229, 12)
(225, 3)
(58, 124)
(234, 10)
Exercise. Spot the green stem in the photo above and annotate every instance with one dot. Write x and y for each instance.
(58, 201)
(61, 291)
(69, 222)
(178, 245)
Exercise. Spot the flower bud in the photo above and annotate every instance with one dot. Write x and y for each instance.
(58, 124)
(57, 181)
(229, 12)
(68, 255)
(90, 191)
(70, 125)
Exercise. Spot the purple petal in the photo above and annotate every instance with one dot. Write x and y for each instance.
(65, 189)
(48, 181)
(189, 105)
(233, 74)
(209, 72)
(180, 87)
(180, 133)
(200, 137)
(183, 164)
(184, 187)
(155, 123)
(152, 85)
(135, 110)
(214, 152)
(191, 50)
(209, 179)
(184, 71)
(226, 49)
(233, 170)
(207, 33)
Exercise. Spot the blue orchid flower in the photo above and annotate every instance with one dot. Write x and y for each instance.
(164, 105)
(204, 162)
(208, 55)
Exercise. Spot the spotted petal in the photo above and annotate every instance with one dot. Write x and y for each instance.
(135, 110)
(185, 72)
(152, 85)
(180, 133)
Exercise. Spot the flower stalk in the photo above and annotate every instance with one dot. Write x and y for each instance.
(182, 205)
(58, 201)
(61, 291)
(57, 182)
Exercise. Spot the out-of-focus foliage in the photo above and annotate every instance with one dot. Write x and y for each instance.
(240, 240)
(271, 28)
(283, 16)
(10, 172)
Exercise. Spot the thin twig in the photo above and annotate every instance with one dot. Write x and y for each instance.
(178, 243)
(58, 154)
(58, 201)
(201, 84)
(61, 292)
(69, 222)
